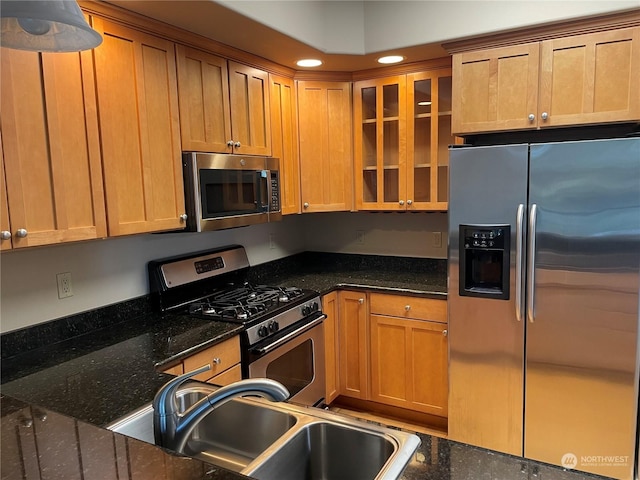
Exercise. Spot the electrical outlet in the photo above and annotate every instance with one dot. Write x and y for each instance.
(65, 288)
(272, 241)
(360, 237)
(437, 239)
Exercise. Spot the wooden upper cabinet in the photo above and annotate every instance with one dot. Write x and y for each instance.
(325, 143)
(574, 80)
(224, 106)
(402, 134)
(284, 140)
(138, 110)
(592, 78)
(51, 148)
(205, 122)
(250, 113)
(495, 89)
(380, 148)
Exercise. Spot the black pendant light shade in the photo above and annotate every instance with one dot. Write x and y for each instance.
(45, 26)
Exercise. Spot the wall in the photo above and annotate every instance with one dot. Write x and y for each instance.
(112, 270)
(399, 234)
(338, 27)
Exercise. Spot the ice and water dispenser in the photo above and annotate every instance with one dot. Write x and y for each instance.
(484, 261)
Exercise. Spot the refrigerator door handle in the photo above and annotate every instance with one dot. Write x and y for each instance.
(531, 264)
(519, 261)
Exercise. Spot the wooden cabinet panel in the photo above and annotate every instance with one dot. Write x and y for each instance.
(175, 370)
(51, 148)
(408, 307)
(138, 110)
(205, 121)
(326, 174)
(354, 345)
(222, 356)
(5, 226)
(590, 78)
(495, 89)
(233, 374)
(250, 113)
(330, 308)
(284, 140)
(409, 364)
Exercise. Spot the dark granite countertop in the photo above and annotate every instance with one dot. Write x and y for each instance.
(87, 370)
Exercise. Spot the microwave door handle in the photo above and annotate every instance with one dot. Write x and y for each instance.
(531, 267)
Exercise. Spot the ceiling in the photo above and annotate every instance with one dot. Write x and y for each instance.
(350, 35)
(224, 25)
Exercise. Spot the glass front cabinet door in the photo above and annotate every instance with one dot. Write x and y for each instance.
(402, 135)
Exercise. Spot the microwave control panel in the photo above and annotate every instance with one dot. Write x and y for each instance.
(274, 202)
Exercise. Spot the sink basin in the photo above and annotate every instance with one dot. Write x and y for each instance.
(326, 450)
(231, 436)
(281, 441)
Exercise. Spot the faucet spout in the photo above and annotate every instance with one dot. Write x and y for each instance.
(172, 429)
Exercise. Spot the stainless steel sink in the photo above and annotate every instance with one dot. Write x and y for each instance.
(281, 441)
(326, 450)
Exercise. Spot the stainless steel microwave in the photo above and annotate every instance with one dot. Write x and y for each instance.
(224, 191)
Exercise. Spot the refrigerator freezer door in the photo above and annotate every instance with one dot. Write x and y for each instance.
(486, 340)
(582, 332)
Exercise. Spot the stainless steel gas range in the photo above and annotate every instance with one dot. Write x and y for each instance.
(283, 335)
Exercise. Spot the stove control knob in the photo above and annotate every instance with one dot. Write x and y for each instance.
(273, 327)
(314, 307)
(263, 331)
(306, 310)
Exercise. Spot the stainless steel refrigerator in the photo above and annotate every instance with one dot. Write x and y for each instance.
(544, 275)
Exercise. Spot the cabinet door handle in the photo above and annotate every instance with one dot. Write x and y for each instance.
(407, 307)
(401, 202)
(229, 143)
(21, 233)
(5, 235)
(183, 217)
(237, 145)
(361, 301)
(532, 117)
(544, 115)
(445, 332)
(216, 361)
(306, 205)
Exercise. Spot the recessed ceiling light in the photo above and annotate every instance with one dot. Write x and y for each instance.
(424, 104)
(391, 59)
(309, 62)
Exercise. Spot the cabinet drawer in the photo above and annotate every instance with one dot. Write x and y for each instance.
(221, 357)
(229, 376)
(408, 307)
(175, 370)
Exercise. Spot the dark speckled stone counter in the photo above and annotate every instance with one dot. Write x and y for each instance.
(87, 370)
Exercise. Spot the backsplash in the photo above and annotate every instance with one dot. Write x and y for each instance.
(106, 272)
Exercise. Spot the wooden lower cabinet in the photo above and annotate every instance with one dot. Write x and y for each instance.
(353, 350)
(391, 350)
(409, 364)
(330, 307)
(224, 359)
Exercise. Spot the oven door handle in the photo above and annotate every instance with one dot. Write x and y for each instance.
(266, 349)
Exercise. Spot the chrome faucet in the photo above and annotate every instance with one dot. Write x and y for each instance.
(172, 428)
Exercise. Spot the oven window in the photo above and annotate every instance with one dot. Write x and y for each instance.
(294, 369)
(229, 192)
